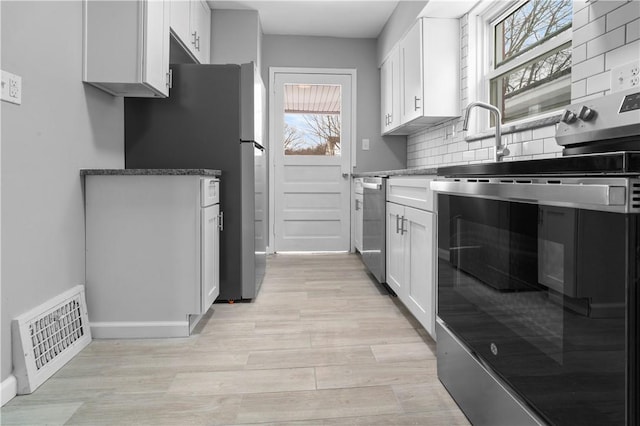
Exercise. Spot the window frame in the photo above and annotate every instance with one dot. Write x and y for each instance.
(482, 21)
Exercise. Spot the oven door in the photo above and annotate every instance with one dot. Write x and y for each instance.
(538, 279)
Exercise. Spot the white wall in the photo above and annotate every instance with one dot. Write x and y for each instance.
(328, 52)
(606, 33)
(62, 126)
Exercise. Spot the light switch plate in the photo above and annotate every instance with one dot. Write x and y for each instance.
(11, 88)
(365, 144)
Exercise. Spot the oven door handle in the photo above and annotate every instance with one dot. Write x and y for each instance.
(587, 196)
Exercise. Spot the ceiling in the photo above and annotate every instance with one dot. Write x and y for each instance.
(346, 18)
(312, 98)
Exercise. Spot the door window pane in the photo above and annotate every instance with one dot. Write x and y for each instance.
(312, 119)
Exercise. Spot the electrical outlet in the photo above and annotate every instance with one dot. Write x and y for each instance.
(625, 77)
(365, 144)
(11, 88)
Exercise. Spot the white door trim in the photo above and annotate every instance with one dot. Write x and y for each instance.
(352, 142)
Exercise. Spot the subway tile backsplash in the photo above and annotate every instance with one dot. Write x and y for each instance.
(606, 34)
(437, 146)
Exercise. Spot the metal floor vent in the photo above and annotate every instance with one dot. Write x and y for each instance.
(49, 336)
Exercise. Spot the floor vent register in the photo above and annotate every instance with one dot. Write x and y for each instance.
(49, 336)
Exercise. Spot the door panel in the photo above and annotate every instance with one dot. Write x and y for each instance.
(359, 222)
(210, 256)
(419, 267)
(312, 130)
(411, 61)
(156, 45)
(395, 248)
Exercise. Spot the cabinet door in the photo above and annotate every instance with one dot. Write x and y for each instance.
(441, 67)
(210, 257)
(385, 95)
(359, 221)
(201, 27)
(411, 70)
(419, 266)
(390, 91)
(395, 249)
(156, 46)
(126, 47)
(180, 19)
(394, 111)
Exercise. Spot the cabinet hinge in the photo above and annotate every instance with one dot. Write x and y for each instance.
(170, 78)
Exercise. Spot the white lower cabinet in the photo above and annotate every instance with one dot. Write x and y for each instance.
(359, 198)
(411, 258)
(395, 248)
(152, 253)
(358, 218)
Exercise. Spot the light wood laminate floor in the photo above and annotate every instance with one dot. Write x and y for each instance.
(322, 344)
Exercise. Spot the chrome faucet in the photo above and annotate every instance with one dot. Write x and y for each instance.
(500, 151)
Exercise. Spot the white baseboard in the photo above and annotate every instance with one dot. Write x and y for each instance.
(139, 330)
(9, 389)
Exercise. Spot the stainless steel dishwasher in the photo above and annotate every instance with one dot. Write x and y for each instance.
(374, 226)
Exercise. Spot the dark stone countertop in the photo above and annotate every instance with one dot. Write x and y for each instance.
(610, 163)
(150, 172)
(403, 172)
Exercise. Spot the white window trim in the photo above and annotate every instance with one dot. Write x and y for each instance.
(480, 59)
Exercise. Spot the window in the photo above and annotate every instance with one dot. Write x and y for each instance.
(312, 119)
(529, 72)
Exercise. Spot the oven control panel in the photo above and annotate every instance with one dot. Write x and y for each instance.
(609, 117)
(630, 103)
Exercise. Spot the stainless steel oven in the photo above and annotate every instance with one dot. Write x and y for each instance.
(538, 276)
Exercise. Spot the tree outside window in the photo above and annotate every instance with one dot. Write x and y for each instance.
(540, 84)
(312, 134)
(312, 119)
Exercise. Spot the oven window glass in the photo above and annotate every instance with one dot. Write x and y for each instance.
(539, 294)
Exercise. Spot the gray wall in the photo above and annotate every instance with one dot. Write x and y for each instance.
(399, 22)
(385, 153)
(235, 37)
(62, 126)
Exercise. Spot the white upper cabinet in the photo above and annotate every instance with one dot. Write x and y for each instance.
(411, 64)
(180, 20)
(191, 24)
(201, 20)
(428, 90)
(126, 47)
(390, 91)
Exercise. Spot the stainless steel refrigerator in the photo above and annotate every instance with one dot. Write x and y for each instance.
(213, 119)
